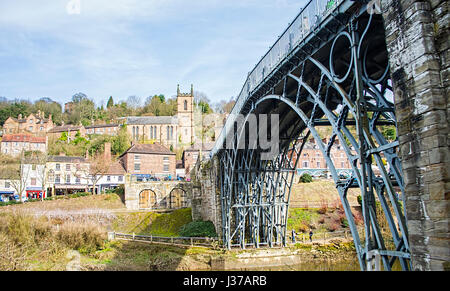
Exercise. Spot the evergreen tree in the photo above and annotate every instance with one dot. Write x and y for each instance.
(110, 102)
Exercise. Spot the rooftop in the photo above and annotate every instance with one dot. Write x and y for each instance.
(155, 148)
(137, 120)
(65, 128)
(67, 159)
(101, 125)
(23, 137)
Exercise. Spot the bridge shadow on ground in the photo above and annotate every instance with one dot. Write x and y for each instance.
(124, 255)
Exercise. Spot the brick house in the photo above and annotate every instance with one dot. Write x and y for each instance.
(108, 129)
(15, 144)
(35, 124)
(149, 159)
(191, 155)
(71, 131)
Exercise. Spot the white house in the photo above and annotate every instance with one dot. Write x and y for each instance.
(114, 177)
(7, 191)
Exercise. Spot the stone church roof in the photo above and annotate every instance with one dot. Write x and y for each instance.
(149, 120)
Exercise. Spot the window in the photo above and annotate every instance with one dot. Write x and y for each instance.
(58, 167)
(33, 181)
(318, 164)
(185, 105)
(108, 178)
(33, 167)
(57, 179)
(305, 164)
(137, 157)
(31, 121)
(342, 165)
(151, 132)
(137, 167)
(41, 128)
(7, 184)
(67, 179)
(120, 178)
(77, 180)
(166, 168)
(30, 128)
(67, 167)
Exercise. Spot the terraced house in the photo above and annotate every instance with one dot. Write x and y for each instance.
(66, 175)
(35, 124)
(16, 144)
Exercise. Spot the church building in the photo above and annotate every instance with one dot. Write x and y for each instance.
(171, 131)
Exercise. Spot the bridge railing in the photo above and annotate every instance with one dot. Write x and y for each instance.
(304, 24)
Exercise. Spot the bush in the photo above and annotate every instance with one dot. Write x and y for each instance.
(198, 229)
(305, 178)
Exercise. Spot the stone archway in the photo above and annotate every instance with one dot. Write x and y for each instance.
(147, 199)
(177, 198)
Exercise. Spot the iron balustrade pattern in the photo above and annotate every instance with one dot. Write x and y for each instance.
(334, 72)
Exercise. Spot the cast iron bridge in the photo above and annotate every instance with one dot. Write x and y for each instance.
(330, 67)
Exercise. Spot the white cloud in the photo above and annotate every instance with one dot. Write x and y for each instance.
(132, 47)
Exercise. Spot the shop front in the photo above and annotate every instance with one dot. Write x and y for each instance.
(35, 193)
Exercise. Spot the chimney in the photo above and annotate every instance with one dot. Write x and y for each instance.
(107, 152)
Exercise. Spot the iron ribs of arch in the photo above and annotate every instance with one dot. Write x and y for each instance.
(352, 95)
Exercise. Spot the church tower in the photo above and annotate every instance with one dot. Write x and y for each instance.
(185, 114)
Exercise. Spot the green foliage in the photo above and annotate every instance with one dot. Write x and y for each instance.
(157, 106)
(390, 133)
(198, 229)
(305, 178)
(204, 107)
(120, 142)
(299, 219)
(359, 198)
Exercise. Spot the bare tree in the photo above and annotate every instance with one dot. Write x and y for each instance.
(18, 175)
(42, 171)
(99, 166)
(134, 102)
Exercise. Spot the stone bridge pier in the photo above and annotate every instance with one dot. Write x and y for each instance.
(417, 42)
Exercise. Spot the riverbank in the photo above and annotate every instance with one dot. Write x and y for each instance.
(137, 256)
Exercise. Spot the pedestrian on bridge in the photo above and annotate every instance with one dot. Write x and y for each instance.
(310, 235)
(293, 236)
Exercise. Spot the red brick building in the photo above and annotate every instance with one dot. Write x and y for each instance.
(149, 159)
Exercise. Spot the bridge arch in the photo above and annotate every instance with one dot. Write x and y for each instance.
(307, 94)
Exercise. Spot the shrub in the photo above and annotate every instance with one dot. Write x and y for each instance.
(85, 238)
(323, 209)
(305, 178)
(359, 198)
(198, 229)
(333, 226)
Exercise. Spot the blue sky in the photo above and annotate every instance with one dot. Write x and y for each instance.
(135, 47)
